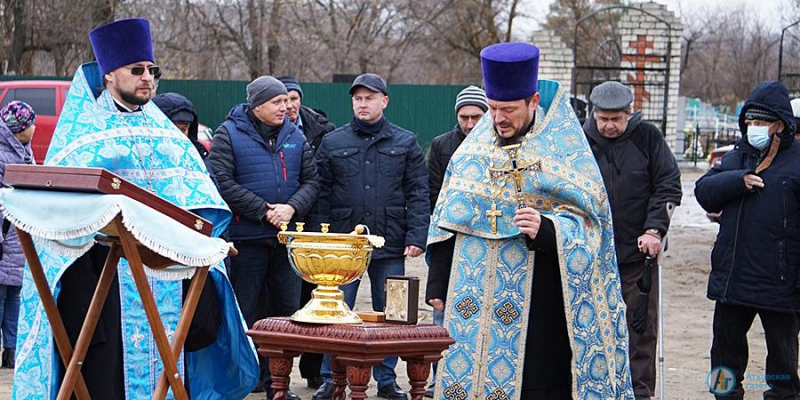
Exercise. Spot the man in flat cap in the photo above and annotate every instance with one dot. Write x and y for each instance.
(520, 250)
(755, 259)
(373, 173)
(641, 178)
(266, 173)
(108, 121)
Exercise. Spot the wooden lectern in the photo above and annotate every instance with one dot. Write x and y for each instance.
(123, 245)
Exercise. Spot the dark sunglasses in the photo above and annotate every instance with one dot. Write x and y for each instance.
(154, 70)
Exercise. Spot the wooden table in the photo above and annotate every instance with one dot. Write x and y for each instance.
(353, 350)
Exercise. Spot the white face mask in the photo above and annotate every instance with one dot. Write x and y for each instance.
(758, 136)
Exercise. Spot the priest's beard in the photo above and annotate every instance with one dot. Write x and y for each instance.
(518, 135)
(133, 98)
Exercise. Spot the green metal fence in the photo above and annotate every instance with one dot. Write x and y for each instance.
(424, 110)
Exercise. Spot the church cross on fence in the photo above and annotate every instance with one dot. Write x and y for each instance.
(640, 59)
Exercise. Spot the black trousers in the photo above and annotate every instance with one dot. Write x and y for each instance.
(641, 348)
(729, 348)
(102, 367)
(265, 285)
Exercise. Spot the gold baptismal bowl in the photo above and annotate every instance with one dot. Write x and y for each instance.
(328, 260)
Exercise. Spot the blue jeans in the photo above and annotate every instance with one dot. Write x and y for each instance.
(378, 270)
(9, 313)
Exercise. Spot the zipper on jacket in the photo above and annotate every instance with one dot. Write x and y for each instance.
(733, 256)
(277, 180)
(782, 260)
(283, 165)
(785, 203)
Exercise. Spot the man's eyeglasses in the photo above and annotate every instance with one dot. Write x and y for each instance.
(154, 70)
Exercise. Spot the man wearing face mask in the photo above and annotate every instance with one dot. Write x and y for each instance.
(754, 263)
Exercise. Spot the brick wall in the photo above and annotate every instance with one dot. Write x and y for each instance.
(555, 58)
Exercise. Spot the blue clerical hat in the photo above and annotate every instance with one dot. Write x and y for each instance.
(510, 71)
(122, 42)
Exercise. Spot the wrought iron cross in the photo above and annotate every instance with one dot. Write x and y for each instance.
(515, 171)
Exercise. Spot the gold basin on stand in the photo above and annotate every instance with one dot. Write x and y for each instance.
(328, 260)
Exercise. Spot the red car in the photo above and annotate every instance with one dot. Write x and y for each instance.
(716, 155)
(204, 135)
(47, 98)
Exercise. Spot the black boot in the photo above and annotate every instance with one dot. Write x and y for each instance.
(8, 358)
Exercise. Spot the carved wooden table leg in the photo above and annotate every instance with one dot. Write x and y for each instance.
(359, 381)
(418, 368)
(339, 374)
(280, 369)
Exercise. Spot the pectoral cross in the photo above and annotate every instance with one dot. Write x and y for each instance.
(493, 214)
(515, 171)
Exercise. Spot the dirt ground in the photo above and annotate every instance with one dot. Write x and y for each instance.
(687, 312)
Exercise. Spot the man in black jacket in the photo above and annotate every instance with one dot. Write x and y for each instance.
(470, 106)
(266, 174)
(313, 122)
(315, 125)
(641, 177)
(755, 259)
(373, 173)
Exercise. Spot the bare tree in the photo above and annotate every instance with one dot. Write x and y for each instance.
(731, 52)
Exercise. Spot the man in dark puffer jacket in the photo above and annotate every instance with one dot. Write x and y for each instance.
(266, 174)
(754, 263)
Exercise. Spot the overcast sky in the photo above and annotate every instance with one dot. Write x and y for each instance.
(766, 10)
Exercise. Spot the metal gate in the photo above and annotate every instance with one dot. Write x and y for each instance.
(628, 45)
(789, 59)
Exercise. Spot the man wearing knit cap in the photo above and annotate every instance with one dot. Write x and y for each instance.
(373, 173)
(266, 173)
(754, 262)
(520, 250)
(470, 107)
(641, 178)
(108, 121)
(313, 122)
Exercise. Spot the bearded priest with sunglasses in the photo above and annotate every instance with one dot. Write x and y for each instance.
(109, 121)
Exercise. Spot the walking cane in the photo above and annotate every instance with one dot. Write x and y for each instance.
(639, 323)
(660, 338)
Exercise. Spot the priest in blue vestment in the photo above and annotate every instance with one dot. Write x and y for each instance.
(521, 250)
(109, 121)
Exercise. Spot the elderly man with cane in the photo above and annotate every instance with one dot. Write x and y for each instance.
(642, 178)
